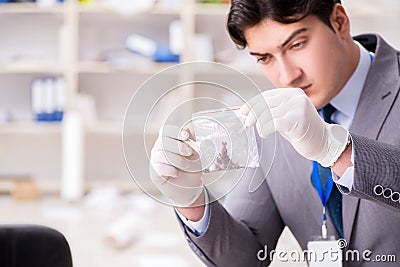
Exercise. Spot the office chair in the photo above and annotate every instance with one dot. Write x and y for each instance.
(33, 246)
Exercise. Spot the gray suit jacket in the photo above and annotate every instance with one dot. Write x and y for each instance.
(249, 221)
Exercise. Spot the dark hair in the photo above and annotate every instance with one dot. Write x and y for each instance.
(245, 14)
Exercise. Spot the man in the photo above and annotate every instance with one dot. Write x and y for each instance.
(305, 49)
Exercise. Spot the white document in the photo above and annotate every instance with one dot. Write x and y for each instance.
(324, 253)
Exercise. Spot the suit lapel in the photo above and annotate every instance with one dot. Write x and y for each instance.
(350, 206)
(380, 91)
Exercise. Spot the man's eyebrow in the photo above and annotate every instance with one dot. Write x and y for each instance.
(258, 54)
(294, 34)
(290, 38)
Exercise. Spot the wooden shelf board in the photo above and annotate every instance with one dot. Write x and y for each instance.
(30, 67)
(30, 127)
(30, 8)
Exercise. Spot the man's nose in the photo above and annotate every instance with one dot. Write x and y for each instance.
(289, 74)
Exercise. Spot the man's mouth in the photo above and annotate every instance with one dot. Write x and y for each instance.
(304, 88)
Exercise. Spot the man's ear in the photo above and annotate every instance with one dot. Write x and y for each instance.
(340, 21)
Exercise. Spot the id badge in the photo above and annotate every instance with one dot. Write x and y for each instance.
(324, 252)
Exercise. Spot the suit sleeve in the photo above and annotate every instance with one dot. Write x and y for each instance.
(376, 172)
(237, 231)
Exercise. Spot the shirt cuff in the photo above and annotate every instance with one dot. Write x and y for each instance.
(347, 180)
(198, 228)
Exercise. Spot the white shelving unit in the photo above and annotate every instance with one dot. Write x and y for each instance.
(68, 40)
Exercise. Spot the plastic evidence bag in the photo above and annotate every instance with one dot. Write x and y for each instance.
(225, 143)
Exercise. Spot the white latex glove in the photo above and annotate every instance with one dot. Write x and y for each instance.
(296, 119)
(175, 167)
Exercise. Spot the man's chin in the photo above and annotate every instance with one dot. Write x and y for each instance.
(318, 103)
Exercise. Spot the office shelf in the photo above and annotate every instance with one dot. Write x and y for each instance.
(99, 67)
(104, 127)
(99, 8)
(30, 128)
(211, 9)
(30, 8)
(31, 67)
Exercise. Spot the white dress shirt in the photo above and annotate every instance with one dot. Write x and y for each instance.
(345, 103)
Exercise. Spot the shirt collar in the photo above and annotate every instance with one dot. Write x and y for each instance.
(347, 100)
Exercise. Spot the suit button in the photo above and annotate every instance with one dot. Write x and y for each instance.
(395, 197)
(387, 193)
(378, 190)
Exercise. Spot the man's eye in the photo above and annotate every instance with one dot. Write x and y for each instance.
(297, 45)
(263, 60)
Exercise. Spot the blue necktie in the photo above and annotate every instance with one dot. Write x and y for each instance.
(334, 204)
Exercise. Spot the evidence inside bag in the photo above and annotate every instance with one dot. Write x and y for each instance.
(223, 141)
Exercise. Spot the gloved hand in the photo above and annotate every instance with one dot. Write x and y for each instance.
(175, 167)
(292, 114)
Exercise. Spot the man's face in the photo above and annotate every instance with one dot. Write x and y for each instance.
(306, 54)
